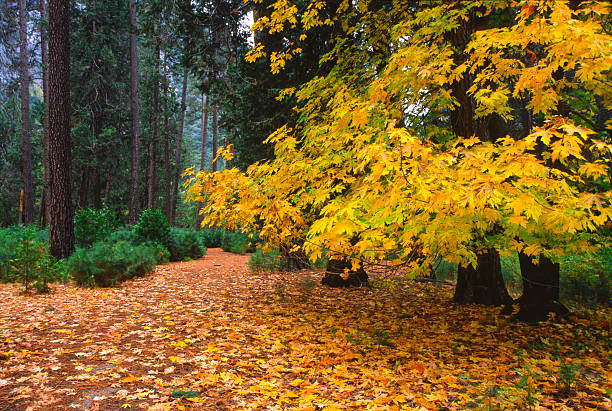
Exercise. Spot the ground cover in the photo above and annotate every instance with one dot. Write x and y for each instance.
(210, 334)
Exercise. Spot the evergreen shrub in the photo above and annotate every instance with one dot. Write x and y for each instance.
(105, 265)
(587, 279)
(211, 237)
(265, 261)
(185, 244)
(153, 226)
(125, 233)
(25, 258)
(237, 242)
(92, 225)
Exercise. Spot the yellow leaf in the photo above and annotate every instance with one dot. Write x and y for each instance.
(126, 405)
(130, 378)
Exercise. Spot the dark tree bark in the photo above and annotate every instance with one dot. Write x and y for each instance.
(204, 135)
(26, 145)
(179, 149)
(83, 188)
(540, 290)
(96, 188)
(154, 132)
(335, 270)
(44, 197)
(484, 284)
(541, 279)
(61, 229)
(167, 176)
(134, 166)
(215, 139)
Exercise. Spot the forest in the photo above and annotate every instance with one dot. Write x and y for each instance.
(325, 204)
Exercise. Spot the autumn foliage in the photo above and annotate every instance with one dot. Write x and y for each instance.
(376, 168)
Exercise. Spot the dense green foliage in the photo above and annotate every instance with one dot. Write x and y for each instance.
(153, 226)
(91, 225)
(238, 242)
(25, 258)
(265, 261)
(105, 265)
(185, 244)
(211, 237)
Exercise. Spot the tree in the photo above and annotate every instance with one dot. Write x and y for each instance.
(204, 138)
(135, 157)
(61, 231)
(377, 167)
(26, 145)
(44, 198)
(179, 148)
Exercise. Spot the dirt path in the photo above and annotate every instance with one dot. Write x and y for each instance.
(80, 348)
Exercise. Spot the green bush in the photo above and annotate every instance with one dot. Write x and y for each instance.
(25, 258)
(238, 242)
(107, 264)
(162, 255)
(92, 225)
(125, 233)
(185, 244)
(587, 279)
(211, 238)
(154, 227)
(265, 261)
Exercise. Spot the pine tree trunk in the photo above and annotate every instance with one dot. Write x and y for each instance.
(44, 197)
(151, 177)
(215, 140)
(168, 177)
(154, 131)
(179, 148)
(26, 145)
(61, 229)
(204, 135)
(107, 191)
(134, 165)
(96, 188)
(83, 188)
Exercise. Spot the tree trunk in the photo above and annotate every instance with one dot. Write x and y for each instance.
(61, 229)
(336, 268)
(154, 131)
(96, 188)
(133, 191)
(151, 177)
(292, 260)
(483, 285)
(204, 134)
(107, 191)
(44, 197)
(540, 290)
(83, 188)
(167, 199)
(215, 141)
(541, 280)
(179, 149)
(26, 145)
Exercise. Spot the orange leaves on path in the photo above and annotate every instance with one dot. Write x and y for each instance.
(208, 334)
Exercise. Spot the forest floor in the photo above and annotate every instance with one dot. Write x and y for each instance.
(209, 334)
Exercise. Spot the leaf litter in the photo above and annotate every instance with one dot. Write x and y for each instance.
(209, 334)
